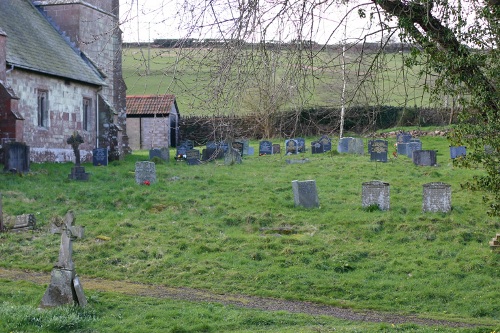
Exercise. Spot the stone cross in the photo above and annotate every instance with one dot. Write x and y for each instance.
(65, 287)
(75, 140)
(68, 234)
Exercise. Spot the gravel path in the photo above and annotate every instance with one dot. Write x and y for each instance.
(251, 302)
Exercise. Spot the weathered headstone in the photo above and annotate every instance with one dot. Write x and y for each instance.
(188, 144)
(211, 153)
(401, 148)
(65, 287)
(16, 157)
(457, 151)
(378, 150)
(297, 161)
(78, 171)
(305, 193)
(161, 153)
(356, 146)
(193, 157)
(403, 137)
(145, 171)
(276, 148)
(232, 156)
(251, 151)
(239, 146)
(414, 144)
(436, 197)
(301, 142)
(326, 142)
(424, 157)
(376, 193)
(291, 147)
(246, 145)
(100, 157)
(265, 148)
(343, 145)
(20, 222)
(317, 147)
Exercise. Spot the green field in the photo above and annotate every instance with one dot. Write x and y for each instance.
(217, 81)
(213, 227)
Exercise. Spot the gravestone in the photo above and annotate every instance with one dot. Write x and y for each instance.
(414, 144)
(193, 157)
(22, 222)
(305, 193)
(188, 144)
(16, 157)
(297, 161)
(301, 142)
(239, 146)
(246, 145)
(161, 153)
(100, 157)
(251, 151)
(65, 287)
(317, 147)
(436, 197)
(401, 148)
(326, 142)
(265, 148)
(291, 147)
(212, 153)
(403, 137)
(457, 151)
(356, 146)
(424, 157)
(343, 145)
(145, 171)
(376, 193)
(232, 156)
(276, 148)
(78, 171)
(378, 150)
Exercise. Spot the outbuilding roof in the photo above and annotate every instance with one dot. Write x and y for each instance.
(147, 105)
(34, 44)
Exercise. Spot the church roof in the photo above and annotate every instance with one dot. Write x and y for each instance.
(147, 105)
(34, 44)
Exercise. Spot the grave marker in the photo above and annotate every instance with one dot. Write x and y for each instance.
(436, 197)
(343, 145)
(457, 152)
(305, 193)
(424, 157)
(193, 157)
(16, 157)
(378, 150)
(78, 171)
(317, 147)
(276, 148)
(326, 142)
(301, 145)
(145, 171)
(356, 146)
(403, 137)
(232, 156)
(100, 157)
(265, 147)
(414, 144)
(376, 193)
(65, 287)
(291, 147)
(239, 146)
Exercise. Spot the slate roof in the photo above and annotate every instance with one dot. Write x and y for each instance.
(34, 44)
(147, 105)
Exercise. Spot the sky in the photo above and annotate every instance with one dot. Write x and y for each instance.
(147, 20)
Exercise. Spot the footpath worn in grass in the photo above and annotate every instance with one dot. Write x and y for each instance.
(211, 227)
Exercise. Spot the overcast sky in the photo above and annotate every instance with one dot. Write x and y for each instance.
(146, 20)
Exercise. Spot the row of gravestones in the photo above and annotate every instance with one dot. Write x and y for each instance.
(436, 195)
(295, 146)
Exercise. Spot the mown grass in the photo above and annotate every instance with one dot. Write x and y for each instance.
(211, 227)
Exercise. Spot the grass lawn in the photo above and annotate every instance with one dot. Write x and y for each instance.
(211, 227)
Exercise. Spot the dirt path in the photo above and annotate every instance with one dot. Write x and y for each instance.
(251, 302)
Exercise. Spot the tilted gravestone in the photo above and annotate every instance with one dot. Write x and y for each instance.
(232, 156)
(376, 193)
(145, 172)
(436, 197)
(424, 157)
(291, 147)
(265, 147)
(305, 193)
(239, 146)
(65, 287)
(100, 157)
(16, 157)
(457, 151)
(193, 157)
(378, 150)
